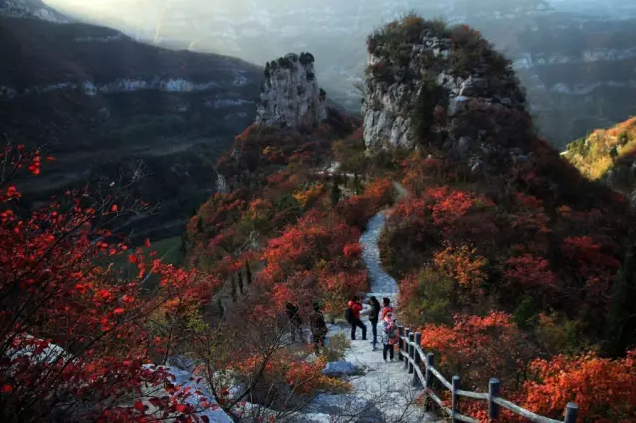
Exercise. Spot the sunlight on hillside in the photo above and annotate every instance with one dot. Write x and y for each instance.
(596, 154)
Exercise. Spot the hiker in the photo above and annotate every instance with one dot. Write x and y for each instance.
(388, 308)
(390, 336)
(318, 328)
(353, 317)
(374, 313)
(295, 322)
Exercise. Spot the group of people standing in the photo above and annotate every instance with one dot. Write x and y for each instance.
(377, 313)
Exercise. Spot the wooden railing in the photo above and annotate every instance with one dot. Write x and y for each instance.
(413, 356)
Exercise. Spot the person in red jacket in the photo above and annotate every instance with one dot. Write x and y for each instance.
(353, 317)
(387, 307)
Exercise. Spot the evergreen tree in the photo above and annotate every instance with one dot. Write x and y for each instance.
(335, 191)
(248, 273)
(240, 281)
(620, 334)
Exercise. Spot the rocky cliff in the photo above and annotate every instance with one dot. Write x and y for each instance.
(290, 95)
(429, 84)
(104, 103)
(575, 58)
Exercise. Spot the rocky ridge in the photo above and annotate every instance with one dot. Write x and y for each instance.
(104, 103)
(609, 156)
(31, 9)
(550, 43)
(429, 83)
(290, 95)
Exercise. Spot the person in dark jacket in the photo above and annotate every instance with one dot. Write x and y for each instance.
(318, 328)
(374, 313)
(355, 307)
(295, 322)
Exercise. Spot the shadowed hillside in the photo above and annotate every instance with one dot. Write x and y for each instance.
(103, 103)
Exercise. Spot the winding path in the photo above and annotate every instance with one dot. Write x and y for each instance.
(384, 393)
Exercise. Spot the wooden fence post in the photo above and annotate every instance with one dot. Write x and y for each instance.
(493, 392)
(571, 410)
(400, 342)
(407, 332)
(416, 379)
(428, 379)
(454, 398)
(411, 352)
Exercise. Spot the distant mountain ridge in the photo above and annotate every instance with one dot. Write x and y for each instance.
(575, 62)
(105, 103)
(31, 9)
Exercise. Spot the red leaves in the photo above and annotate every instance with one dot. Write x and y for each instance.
(604, 389)
(139, 406)
(119, 311)
(352, 250)
(6, 388)
(530, 271)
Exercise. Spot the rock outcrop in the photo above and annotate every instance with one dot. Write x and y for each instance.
(290, 95)
(426, 83)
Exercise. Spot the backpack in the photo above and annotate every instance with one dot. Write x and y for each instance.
(390, 331)
(349, 315)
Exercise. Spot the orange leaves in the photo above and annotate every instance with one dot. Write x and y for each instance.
(449, 206)
(604, 389)
(310, 195)
(462, 264)
(352, 250)
(479, 347)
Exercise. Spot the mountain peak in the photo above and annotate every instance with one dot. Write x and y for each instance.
(290, 95)
(31, 9)
(447, 87)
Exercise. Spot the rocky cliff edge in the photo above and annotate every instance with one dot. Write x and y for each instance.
(446, 87)
(290, 95)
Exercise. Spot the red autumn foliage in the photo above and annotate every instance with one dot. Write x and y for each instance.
(530, 272)
(358, 209)
(73, 328)
(314, 258)
(604, 389)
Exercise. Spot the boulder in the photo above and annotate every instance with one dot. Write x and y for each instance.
(340, 368)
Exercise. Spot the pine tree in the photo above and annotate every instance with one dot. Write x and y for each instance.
(248, 273)
(335, 191)
(620, 334)
(239, 277)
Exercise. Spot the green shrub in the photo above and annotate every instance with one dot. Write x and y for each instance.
(336, 347)
(430, 96)
(306, 58)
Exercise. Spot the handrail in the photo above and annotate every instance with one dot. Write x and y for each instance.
(413, 355)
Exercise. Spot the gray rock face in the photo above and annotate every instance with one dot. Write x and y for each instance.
(290, 96)
(340, 368)
(467, 103)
